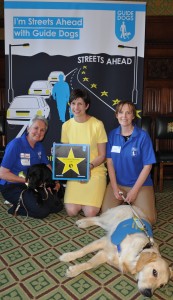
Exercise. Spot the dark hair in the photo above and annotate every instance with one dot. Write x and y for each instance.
(78, 93)
(122, 103)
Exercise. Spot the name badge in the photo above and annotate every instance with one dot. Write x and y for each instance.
(116, 149)
(25, 161)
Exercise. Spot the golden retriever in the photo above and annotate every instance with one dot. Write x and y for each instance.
(136, 253)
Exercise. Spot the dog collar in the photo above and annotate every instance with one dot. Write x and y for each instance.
(129, 226)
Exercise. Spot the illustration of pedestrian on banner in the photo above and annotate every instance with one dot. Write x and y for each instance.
(124, 33)
(61, 94)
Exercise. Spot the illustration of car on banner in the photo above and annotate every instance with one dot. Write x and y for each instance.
(24, 107)
(41, 87)
(54, 77)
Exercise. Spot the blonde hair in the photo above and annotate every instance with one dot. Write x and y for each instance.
(36, 118)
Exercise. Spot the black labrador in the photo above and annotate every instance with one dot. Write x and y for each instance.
(38, 197)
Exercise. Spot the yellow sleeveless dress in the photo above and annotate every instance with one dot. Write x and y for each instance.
(91, 132)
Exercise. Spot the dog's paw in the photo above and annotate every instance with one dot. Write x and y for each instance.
(82, 223)
(72, 272)
(66, 257)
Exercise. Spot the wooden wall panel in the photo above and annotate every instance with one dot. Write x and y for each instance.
(158, 101)
(2, 65)
(159, 29)
(158, 73)
(169, 103)
(158, 66)
(152, 101)
(2, 100)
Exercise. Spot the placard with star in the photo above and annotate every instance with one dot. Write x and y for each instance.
(71, 161)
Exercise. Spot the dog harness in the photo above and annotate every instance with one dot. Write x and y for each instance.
(129, 226)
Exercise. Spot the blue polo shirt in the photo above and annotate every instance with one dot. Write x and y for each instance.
(19, 156)
(131, 156)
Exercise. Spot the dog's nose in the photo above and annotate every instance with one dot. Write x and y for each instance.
(146, 293)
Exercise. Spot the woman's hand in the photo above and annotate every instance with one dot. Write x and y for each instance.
(91, 167)
(117, 194)
(57, 186)
(131, 196)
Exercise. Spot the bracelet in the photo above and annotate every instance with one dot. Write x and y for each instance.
(92, 165)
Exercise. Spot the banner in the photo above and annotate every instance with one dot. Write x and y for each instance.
(54, 47)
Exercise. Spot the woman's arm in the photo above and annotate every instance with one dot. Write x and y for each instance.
(132, 194)
(97, 161)
(57, 184)
(112, 177)
(49, 166)
(7, 175)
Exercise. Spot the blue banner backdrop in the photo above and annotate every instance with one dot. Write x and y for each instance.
(53, 47)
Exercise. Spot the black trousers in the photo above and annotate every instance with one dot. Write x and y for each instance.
(28, 204)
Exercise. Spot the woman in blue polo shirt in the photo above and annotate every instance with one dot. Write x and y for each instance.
(20, 154)
(130, 156)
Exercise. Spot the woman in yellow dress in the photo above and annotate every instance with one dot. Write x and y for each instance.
(85, 129)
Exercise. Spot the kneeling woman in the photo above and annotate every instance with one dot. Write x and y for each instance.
(20, 154)
(130, 156)
(85, 129)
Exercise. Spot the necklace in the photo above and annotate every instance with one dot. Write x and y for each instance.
(126, 137)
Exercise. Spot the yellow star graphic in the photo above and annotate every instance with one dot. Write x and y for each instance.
(70, 162)
(84, 67)
(115, 102)
(93, 85)
(104, 93)
(85, 79)
(138, 114)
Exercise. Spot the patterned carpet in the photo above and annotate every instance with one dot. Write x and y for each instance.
(30, 269)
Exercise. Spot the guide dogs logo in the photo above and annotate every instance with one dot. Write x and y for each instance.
(125, 24)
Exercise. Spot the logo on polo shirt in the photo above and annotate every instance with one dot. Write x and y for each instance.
(39, 155)
(134, 151)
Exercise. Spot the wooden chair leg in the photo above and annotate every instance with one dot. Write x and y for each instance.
(161, 178)
(155, 176)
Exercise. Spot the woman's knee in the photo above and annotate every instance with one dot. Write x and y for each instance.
(146, 202)
(12, 197)
(153, 218)
(72, 210)
(109, 200)
(90, 211)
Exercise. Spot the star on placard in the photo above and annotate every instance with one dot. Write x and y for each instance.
(70, 162)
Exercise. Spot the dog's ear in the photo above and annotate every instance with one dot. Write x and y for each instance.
(171, 273)
(46, 174)
(34, 176)
(145, 258)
